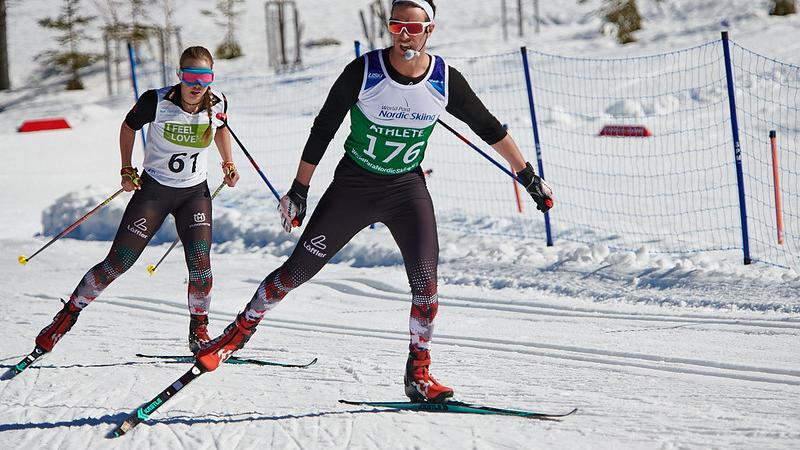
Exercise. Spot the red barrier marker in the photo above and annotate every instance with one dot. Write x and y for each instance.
(625, 131)
(43, 125)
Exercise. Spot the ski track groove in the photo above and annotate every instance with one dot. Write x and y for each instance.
(561, 352)
(546, 309)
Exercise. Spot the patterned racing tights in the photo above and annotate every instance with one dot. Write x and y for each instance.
(355, 199)
(149, 206)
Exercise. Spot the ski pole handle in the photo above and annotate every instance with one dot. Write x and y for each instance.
(25, 259)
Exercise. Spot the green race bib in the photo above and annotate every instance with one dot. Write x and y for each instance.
(385, 150)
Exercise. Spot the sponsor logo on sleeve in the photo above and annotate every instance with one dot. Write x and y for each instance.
(314, 245)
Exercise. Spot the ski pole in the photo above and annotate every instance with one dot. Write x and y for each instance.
(224, 118)
(492, 160)
(151, 269)
(24, 259)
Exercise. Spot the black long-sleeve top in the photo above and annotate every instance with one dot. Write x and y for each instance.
(462, 103)
(144, 111)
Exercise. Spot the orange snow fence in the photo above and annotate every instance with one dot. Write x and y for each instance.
(625, 131)
(43, 124)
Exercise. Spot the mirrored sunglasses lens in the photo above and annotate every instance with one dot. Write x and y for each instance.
(412, 28)
(203, 79)
(395, 28)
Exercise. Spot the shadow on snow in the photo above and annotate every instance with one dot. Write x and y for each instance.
(116, 419)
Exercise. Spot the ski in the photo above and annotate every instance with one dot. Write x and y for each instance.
(231, 360)
(459, 407)
(143, 412)
(26, 362)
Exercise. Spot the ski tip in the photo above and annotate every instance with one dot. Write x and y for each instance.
(313, 361)
(23, 259)
(556, 416)
(8, 374)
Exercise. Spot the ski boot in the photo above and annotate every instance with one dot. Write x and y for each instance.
(198, 332)
(420, 384)
(62, 323)
(234, 337)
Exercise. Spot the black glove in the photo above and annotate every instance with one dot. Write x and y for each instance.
(540, 191)
(293, 206)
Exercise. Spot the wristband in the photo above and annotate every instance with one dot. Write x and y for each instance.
(132, 174)
(229, 168)
(299, 189)
(526, 175)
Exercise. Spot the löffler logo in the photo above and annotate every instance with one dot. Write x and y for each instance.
(139, 228)
(316, 244)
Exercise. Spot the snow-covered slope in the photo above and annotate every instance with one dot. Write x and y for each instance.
(656, 351)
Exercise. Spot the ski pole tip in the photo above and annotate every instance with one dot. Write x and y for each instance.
(151, 269)
(22, 259)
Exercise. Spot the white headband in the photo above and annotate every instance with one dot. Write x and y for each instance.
(420, 3)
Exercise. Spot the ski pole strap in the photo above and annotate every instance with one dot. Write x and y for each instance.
(229, 168)
(131, 173)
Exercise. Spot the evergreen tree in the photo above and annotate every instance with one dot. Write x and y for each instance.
(783, 7)
(229, 48)
(72, 27)
(623, 18)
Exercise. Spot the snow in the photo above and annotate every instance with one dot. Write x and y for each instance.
(656, 350)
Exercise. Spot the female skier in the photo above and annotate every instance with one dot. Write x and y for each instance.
(182, 122)
(394, 97)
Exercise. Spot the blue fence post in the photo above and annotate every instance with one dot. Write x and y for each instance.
(540, 164)
(737, 147)
(135, 84)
